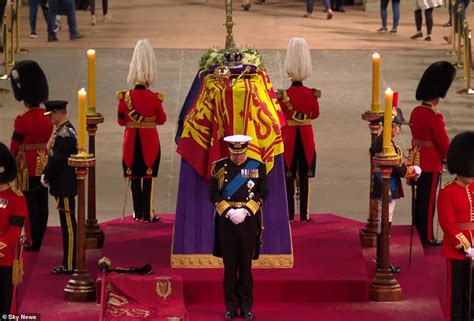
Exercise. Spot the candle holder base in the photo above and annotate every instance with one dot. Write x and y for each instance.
(94, 119)
(371, 116)
(94, 235)
(367, 238)
(386, 159)
(81, 160)
(384, 288)
(80, 288)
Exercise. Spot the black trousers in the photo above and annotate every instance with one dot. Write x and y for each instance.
(142, 194)
(6, 289)
(459, 279)
(67, 217)
(105, 6)
(238, 243)
(428, 18)
(303, 197)
(426, 187)
(37, 200)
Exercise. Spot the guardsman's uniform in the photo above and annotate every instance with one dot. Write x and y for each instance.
(63, 185)
(300, 106)
(13, 219)
(32, 131)
(238, 187)
(140, 111)
(456, 217)
(429, 145)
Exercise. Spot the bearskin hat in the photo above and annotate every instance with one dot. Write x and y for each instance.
(461, 155)
(435, 81)
(29, 83)
(7, 165)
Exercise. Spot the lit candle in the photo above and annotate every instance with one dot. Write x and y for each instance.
(81, 123)
(375, 107)
(91, 81)
(387, 121)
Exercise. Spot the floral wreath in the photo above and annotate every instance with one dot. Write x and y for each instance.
(215, 56)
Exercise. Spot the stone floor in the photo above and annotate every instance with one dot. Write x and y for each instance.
(342, 138)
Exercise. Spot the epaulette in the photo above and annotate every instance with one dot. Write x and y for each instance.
(64, 132)
(448, 183)
(316, 92)
(119, 94)
(16, 191)
(280, 94)
(216, 161)
(161, 97)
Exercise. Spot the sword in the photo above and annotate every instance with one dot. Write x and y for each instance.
(19, 252)
(125, 199)
(440, 183)
(413, 210)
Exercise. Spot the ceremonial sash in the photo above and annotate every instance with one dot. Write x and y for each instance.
(238, 180)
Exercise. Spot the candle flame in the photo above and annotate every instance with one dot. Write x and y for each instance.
(376, 56)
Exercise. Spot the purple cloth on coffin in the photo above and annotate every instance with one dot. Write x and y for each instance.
(194, 227)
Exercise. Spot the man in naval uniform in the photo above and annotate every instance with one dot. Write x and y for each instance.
(62, 181)
(238, 188)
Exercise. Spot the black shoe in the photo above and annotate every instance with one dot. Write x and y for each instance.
(154, 220)
(395, 269)
(247, 315)
(52, 38)
(230, 315)
(246, 7)
(434, 242)
(341, 10)
(75, 36)
(417, 35)
(61, 269)
(307, 219)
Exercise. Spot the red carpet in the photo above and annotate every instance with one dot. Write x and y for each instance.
(329, 281)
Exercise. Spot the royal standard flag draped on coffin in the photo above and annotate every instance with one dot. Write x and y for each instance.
(228, 106)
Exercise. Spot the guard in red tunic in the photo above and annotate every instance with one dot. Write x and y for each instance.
(13, 219)
(429, 144)
(140, 111)
(32, 131)
(300, 106)
(456, 217)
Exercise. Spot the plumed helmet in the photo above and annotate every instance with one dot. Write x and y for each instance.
(461, 154)
(298, 60)
(29, 83)
(435, 81)
(7, 165)
(143, 67)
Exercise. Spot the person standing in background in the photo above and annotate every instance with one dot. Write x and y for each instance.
(327, 8)
(140, 110)
(427, 6)
(383, 15)
(105, 10)
(31, 133)
(300, 106)
(429, 144)
(34, 12)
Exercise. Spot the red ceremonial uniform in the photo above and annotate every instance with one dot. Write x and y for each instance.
(140, 110)
(456, 214)
(32, 131)
(429, 134)
(13, 215)
(300, 105)
(429, 149)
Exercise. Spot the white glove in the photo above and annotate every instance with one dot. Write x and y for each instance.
(417, 170)
(230, 213)
(470, 253)
(43, 181)
(239, 216)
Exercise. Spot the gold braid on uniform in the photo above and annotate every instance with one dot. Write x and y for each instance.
(253, 206)
(463, 242)
(316, 92)
(414, 156)
(219, 175)
(283, 96)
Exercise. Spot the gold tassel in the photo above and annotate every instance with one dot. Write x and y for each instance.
(17, 274)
